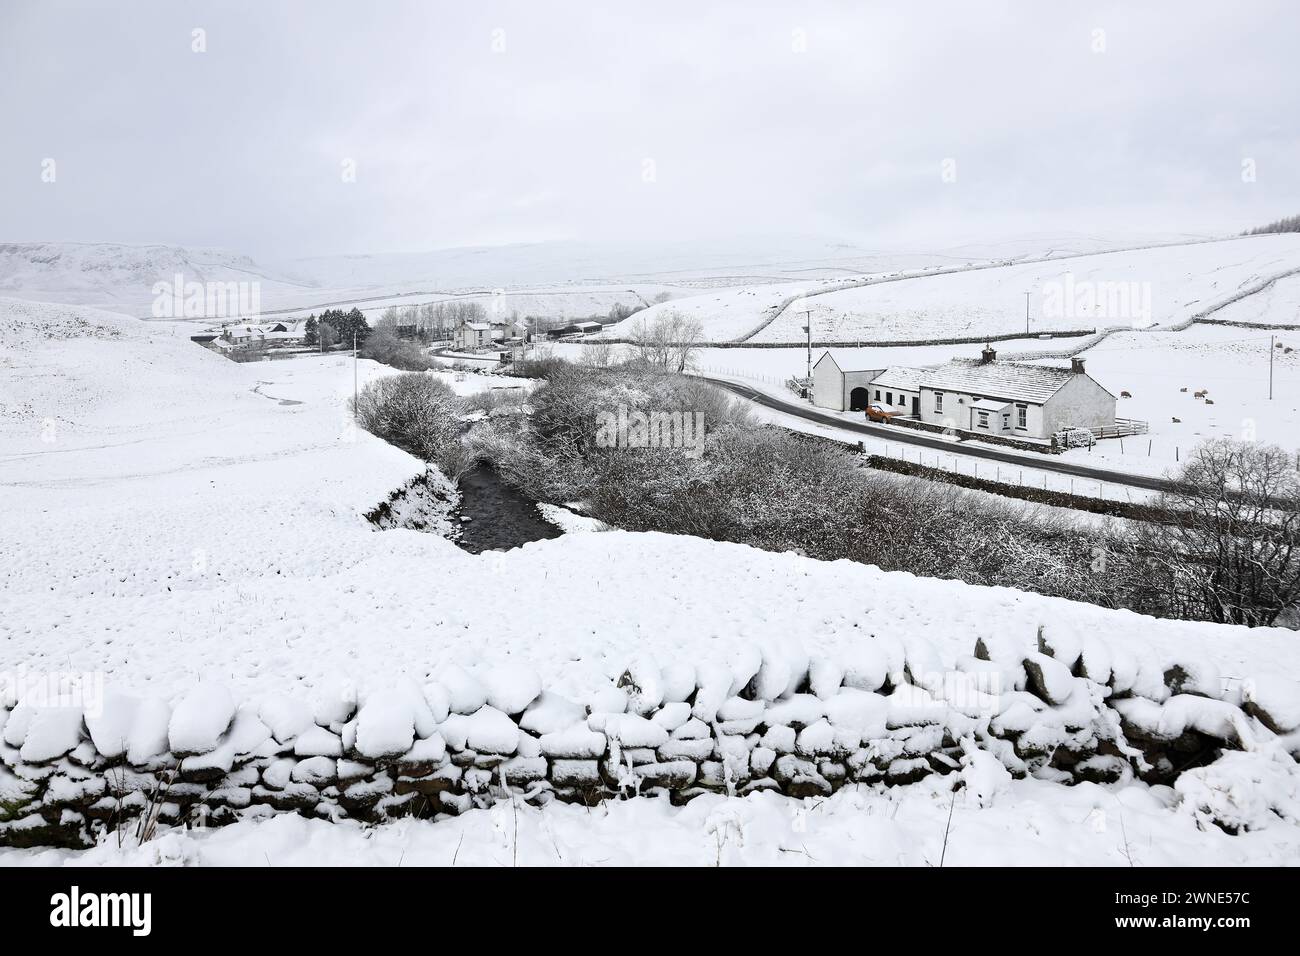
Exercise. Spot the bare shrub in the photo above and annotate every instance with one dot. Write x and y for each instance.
(383, 345)
(416, 412)
(495, 399)
(599, 355)
(540, 366)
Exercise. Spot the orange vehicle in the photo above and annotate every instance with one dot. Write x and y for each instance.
(878, 413)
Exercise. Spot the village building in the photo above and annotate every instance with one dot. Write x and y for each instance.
(269, 334)
(1009, 399)
(473, 335)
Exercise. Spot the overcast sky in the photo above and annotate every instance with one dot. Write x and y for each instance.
(501, 121)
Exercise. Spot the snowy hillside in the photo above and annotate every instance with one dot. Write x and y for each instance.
(1164, 285)
(119, 275)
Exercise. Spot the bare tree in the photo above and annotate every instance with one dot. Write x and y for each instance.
(1233, 556)
(669, 340)
(599, 355)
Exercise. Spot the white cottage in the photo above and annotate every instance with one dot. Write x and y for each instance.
(1014, 399)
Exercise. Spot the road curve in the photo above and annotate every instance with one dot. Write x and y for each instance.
(927, 440)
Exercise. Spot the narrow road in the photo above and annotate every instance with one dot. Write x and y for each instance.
(928, 440)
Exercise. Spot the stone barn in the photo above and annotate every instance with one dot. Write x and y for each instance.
(840, 382)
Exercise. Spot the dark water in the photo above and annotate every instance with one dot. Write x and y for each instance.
(500, 517)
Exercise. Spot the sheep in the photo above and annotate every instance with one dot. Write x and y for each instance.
(1125, 394)
(1177, 421)
(1209, 401)
(1201, 394)
(1183, 389)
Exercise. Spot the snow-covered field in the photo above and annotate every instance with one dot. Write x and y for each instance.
(1231, 363)
(172, 518)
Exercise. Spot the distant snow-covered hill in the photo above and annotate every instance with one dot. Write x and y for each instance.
(118, 275)
(563, 278)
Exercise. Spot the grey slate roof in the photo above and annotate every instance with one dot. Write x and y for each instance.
(1009, 380)
(900, 376)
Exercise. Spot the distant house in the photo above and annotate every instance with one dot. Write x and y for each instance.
(275, 333)
(1013, 399)
(472, 335)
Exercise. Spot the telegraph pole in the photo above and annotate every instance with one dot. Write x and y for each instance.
(1026, 313)
(1272, 347)
(807, 327)
(354, 370)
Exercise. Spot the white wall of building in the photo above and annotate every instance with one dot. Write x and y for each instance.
(956, 413)
(1080, 403)
(832, 388)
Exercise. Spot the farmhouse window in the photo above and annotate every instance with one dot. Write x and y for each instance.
(1022, 416)
(984, 420)
(938, 401)
(1006, 420)
(877, 394)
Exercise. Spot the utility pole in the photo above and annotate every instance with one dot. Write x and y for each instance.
(1026, 313)
(807, 327)
(1272, 347)
(354, 370)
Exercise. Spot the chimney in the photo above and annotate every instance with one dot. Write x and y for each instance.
(988, 356)
(1076, 366)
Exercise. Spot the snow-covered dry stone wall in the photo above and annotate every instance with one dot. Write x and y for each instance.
(73, 771)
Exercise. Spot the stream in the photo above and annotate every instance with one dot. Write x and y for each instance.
(500, 516)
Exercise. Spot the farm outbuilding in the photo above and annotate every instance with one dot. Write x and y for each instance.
(839, 387)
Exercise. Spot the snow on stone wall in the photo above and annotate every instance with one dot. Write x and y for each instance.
(1069, 712)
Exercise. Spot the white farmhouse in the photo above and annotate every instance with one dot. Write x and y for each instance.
(1014, 399)
(983, 396)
